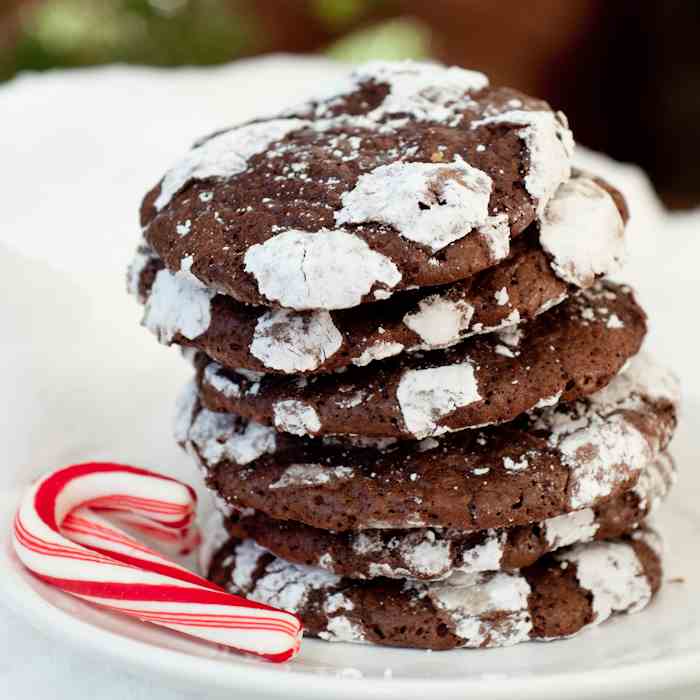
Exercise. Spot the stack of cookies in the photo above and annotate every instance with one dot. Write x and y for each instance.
(420, 403)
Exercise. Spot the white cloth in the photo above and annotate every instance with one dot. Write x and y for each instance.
(77, 151)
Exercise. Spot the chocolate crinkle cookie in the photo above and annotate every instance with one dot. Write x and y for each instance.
(419, 399)
(560, 595)
(563, 355)
(436, 553)
(406, 175)
(555, 460)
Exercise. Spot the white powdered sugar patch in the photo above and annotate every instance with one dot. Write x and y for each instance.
(472, 599)
(287, 586)
(247, 558)
(184, 228)
(366, 543)
(426, 91)
(551, 303)
(296, 417)
(304, 270)
(185, 408)
(614, 322)
(440, 322)
(178, 303)
(547, 401)
(600, 455)
(655, 482)
(495, 232)
(143, 256)
(426, 395)
(222, 384)
(583, 231)
(351, 401)
(426, 555)
(600, 446)
(301, 475)
(433, 204)
(504, 350)
(613, 574)
(512, 465)
(427, 444)
(510, 335)
(224, 155)
(570, 528)
(340, 628)
(378, 351)
(326, 561)
(642, 377)
(501, 296)
(223, 436)
(486, 556)
(550, 145)
(290, 342)
(250, 375)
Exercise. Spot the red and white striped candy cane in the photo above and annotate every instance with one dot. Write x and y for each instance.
(60, 538)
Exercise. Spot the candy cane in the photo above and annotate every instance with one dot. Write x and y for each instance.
(65, 543)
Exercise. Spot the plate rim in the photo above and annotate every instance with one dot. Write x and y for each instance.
(175, 666)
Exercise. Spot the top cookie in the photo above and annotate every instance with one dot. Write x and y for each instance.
(582, 226)
(407, 175)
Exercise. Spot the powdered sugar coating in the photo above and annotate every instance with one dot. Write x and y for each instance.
(440, 322)
(224, 155)
(215, 377)
(296, 417)
(601, 446)
(495, 232)
(426, 91)
(222, 436)
(480, 610)
(433, 554)
(642, 377)
(548, 401)
(486, 556)
(178, 303)
(583, 231)
(143, 256)
(222, 384)
(300, 475)
(378, 351)
(186, 405)
(570, 528)
(304, 270)
(426, 395)
(429, 555)
(613, 574)
(501, 296)
(550, 145)
(655, 482)
(290, 342)
(339, 627)
(432, 204)
(282, 585)
(471, 598)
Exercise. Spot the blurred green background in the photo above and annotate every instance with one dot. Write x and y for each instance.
(626, 73)
(69, 33)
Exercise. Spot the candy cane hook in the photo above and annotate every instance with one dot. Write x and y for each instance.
(60, 538)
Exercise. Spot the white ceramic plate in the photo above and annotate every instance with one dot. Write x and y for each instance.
(657, 649)
(82, 381)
